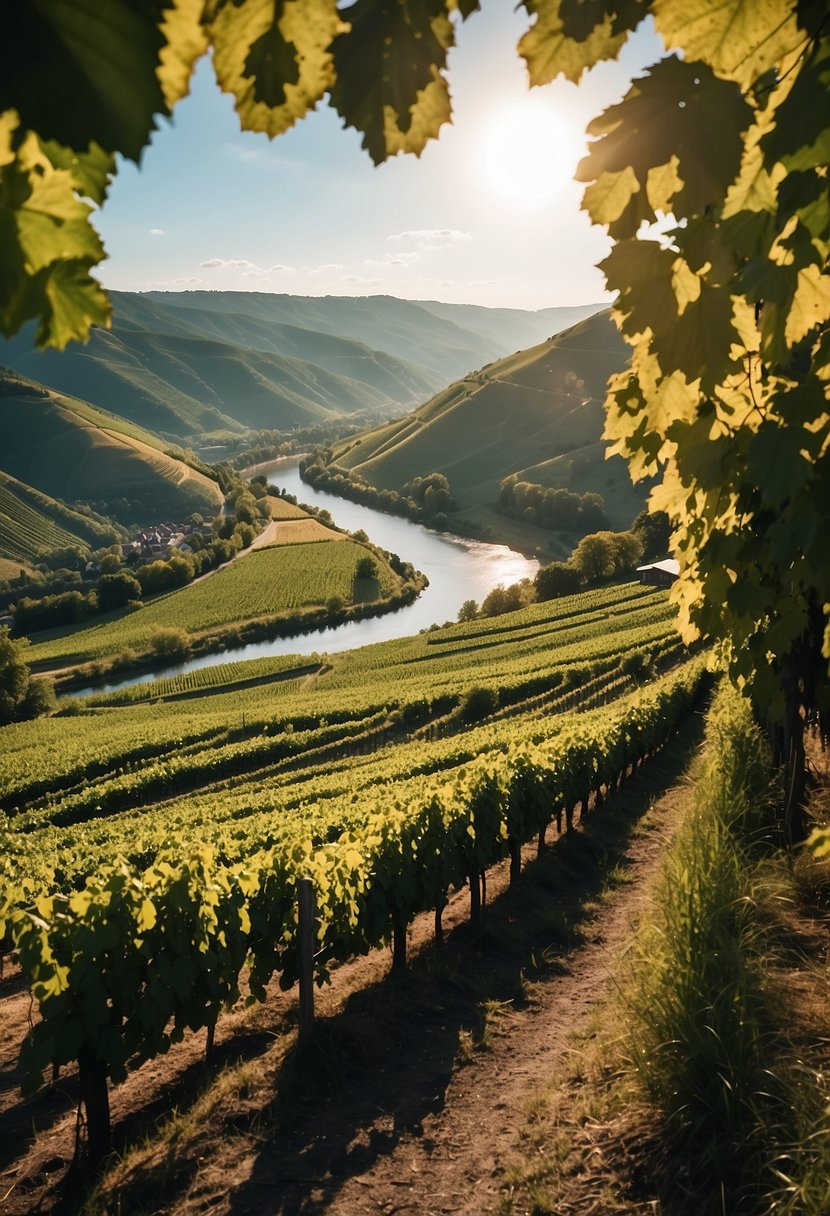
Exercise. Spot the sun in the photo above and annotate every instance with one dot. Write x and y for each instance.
(528, 152)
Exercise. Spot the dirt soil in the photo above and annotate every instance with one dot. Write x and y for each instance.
(410, 1093)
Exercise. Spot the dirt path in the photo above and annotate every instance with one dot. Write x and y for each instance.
(454, 1162)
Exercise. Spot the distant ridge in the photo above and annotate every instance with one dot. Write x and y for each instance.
(196, 366)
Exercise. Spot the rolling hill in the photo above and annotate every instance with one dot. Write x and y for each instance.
(62, 459)
(197, 365)
(537, 414)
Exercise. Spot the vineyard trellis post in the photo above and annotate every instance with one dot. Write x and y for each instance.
(305, 938)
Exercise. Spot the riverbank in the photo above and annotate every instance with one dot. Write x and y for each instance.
(86, 677)
(455, 570)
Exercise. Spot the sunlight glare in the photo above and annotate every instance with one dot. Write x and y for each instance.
(528, 152)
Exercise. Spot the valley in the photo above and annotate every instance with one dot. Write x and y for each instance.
(414, 608)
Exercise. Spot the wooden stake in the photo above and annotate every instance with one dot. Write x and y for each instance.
(399, 947)
(305, 936)
(515, 859)
(92, 1082)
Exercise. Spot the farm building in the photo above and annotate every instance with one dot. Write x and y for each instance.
(659, 574)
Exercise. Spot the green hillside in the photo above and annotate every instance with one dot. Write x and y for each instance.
(33, 524)
(194, 364)
(59, 454)
(537, 414)
(187, 387)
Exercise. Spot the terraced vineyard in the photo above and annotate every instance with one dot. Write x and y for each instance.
(162, 829)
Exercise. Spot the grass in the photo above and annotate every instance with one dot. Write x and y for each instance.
(701, 1089)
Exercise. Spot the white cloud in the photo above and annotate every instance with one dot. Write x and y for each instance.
(358, 279)
(167, 284)
(262, 156)
(326, 268)
(280, 269)
(404, 259)
(431, 238)
(156, 232)
(230, 264)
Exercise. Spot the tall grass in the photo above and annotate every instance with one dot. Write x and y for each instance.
(695, 997)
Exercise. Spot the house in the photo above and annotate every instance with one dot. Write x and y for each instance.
(660, 574)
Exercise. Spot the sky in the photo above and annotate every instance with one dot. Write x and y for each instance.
(489, 214)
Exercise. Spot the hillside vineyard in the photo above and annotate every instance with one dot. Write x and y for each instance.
(162, 852)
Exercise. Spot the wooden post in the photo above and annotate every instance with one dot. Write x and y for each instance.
(92, 1082)
(398, 946)
(475, 896)
(439, 927)
(305, 937)
(515, 859)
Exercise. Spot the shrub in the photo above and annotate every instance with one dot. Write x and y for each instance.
(170, 643)
(477, 703)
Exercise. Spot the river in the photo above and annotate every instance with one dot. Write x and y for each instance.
(457, 569)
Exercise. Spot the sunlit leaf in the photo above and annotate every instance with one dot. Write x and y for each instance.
(671, 113)
(389, 84)
(739, 39)
(274, 57)
(185, 41)
(567, 38)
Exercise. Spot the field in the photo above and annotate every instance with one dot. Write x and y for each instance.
(282, 509)
(162, 829)
(249, 720)
(271, 581)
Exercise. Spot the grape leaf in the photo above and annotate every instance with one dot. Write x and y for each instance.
(272, 63)
(47, 248)
(672, 112)
(389, 84)
(810, 305)
(185, 41)
(800, 138)
(739, 39)
(465, 7)
(84, 72)
(700, 342)
(90, 171)
(776, 463)
(640, 272)
(608, 197)
(550, 51)
(274, 57)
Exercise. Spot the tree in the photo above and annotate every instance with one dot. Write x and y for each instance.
(555, 579)
(468, 611)
(594, 558)
(366, 567)
(21, 697)
(724, 146)
(654, 531)
(116, 590)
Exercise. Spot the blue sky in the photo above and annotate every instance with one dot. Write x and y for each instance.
(487, 215)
